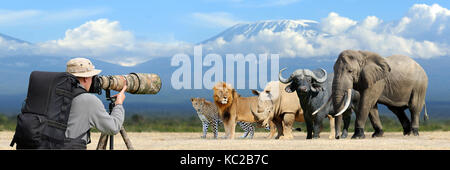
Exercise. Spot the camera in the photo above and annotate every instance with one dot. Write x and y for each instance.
(138, 83)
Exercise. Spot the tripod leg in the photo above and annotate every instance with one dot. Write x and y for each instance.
(111, 142)
(126, 139)
(102, 142)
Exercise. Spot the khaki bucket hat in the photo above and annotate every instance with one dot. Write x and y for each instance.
(81, 67)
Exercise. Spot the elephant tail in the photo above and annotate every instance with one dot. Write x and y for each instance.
(425, 115)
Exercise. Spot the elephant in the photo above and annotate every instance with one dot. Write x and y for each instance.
(313, 89)
(275, 106)
(396, 81)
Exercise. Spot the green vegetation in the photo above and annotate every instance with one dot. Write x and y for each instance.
(7, 122)
(191, 123)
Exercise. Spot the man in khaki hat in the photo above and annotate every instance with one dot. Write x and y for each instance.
(87, 110)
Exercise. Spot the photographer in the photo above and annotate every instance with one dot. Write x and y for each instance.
(87, 110)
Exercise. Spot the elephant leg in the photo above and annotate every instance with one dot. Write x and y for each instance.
(347, 118)
(288, 122)
(337, 126)
(415, 107)
(401, 115)
(272, 130)
(376, 123)
(368, 98)
(415, 116)
(309, 125)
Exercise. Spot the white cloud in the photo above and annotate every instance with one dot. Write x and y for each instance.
(100, 39)
(105, 40)
(425, 22)
(335, 24)
(421, 33)
(99, 34)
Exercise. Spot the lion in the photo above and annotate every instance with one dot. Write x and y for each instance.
(232, 107)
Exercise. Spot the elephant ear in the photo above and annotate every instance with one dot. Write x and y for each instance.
(376, 69)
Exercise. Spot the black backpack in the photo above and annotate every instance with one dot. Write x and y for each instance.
(45, 113)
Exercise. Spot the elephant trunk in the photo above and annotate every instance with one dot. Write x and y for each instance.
(347, 102)
(338, 95)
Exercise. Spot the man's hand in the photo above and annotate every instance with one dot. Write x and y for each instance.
(120, 97)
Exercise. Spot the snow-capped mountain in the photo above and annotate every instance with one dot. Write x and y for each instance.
(307, 28)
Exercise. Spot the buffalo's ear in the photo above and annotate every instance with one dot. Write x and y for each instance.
(316, 87)
(255, 92)
(375, 69)
(290, 88)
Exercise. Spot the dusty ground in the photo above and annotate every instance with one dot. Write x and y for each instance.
(192, 141)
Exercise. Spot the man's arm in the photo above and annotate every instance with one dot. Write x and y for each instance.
(100, 119)
(110, 124)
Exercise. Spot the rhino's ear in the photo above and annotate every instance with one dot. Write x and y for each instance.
(255, 92)
(375, 69)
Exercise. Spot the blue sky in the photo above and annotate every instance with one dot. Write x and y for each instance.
(175, 20)
(134, 32)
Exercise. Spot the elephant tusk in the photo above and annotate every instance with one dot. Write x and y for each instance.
(321, 107)
(347, 102)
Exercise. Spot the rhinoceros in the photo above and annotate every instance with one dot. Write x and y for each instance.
(280, 107)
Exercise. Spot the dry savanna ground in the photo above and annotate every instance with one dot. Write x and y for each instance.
(192, 141)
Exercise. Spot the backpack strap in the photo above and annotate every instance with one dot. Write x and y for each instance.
(77, 91)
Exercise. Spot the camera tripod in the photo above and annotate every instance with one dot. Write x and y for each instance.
(104, 137)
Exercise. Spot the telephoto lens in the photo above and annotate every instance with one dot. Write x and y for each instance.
(138, 83)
